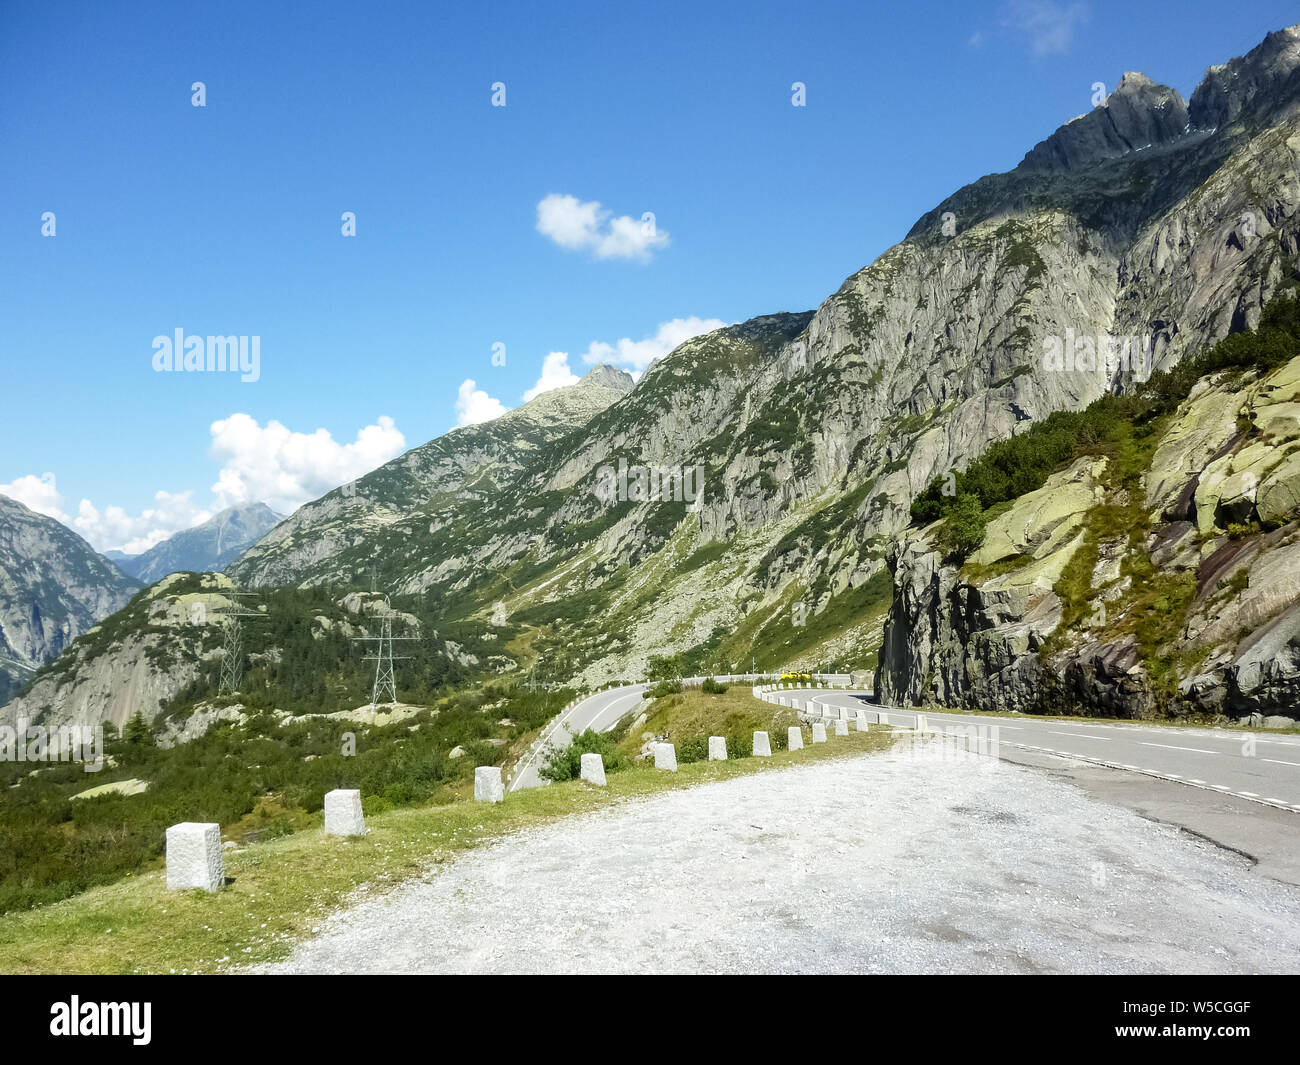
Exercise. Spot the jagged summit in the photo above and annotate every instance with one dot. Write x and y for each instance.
(209, 546)
(1140, 113)
(1261, 86)
(605, 376)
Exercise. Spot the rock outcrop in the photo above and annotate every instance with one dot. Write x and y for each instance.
(1195, 611)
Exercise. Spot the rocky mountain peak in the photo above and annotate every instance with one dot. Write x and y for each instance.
(1260, 86)
(209, 546)
(604, 376)
(1139, 114)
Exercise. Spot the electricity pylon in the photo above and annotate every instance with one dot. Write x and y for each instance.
(232, 623)
(383, 657)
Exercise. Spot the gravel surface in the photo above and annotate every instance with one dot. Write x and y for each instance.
(888, 863)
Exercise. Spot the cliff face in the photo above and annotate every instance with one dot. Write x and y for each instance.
(53, 588)
(1178, 594)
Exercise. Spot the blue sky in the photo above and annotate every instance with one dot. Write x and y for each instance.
(225, 219)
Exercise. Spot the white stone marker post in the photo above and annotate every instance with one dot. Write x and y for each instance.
(921, 724)
(794, 738)
(819, 733)
(487, 784)
(762, 745)
(717, 748)
(343, 815)
(861, 721)
(194, 857)
(841, 727)
(593, 769)
(666, 757)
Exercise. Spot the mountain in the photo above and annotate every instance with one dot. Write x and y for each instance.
(53, 588)
(1169, 224)
(210, 546)
(333, 538)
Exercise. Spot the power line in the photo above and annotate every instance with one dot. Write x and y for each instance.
(383, 656)
(232, 623)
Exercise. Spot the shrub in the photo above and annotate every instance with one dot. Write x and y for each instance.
(695, 749)
(962, 531)
(665, 687)
(712, 687)
(566, 763)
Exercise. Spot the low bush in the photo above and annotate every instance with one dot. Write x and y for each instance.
(566, 763)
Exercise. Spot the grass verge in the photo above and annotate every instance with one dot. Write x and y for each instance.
(278, 891)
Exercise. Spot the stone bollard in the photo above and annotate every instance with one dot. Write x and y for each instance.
(593, 769)
(794, 738)
(841, 727)
(819, 733)
(487, 784)
(717, 748)
(666, 757)
(882, 718)
(762, 745)
(343, 815)
(921, 724)
(194, 856)
(861, 721)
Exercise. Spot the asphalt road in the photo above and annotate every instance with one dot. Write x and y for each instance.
(1255, 766)
(600, 712)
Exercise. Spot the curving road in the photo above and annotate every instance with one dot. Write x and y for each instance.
(601, 712)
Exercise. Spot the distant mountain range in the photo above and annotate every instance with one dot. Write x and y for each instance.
(208, 547)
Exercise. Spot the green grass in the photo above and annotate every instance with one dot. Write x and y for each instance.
(688, 720)
(284, 887)
(264, 777)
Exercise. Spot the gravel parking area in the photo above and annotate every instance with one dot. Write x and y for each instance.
(887, 863)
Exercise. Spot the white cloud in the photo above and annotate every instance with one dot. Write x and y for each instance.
(284, 469)
(555, 374)
(134, 533)
(113, 527)
(473, 405)
(637, 355)
(578, 226)
(1048, 25)
(36, 493)
(270, 464)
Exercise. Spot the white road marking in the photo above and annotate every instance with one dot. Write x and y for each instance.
(1080, 736)
(1248, 794)
(1278, 761)
(1171, 747)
